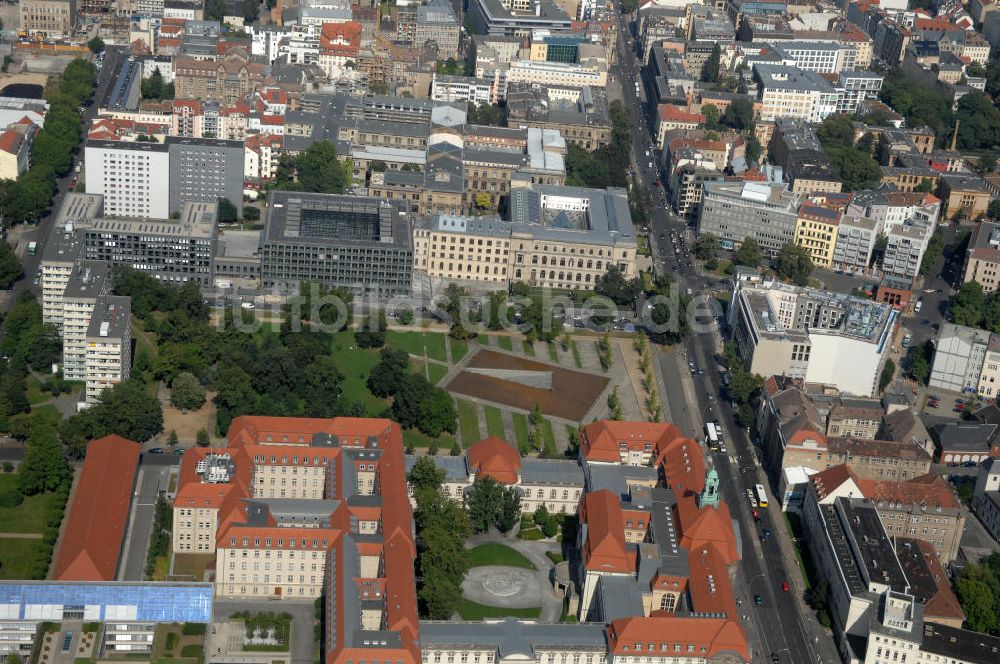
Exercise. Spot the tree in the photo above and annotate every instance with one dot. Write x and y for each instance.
(410, 395)
(706, 246)
(484, 501)
(854, 163)
(888, 373)
(442, 527)
(966, 307)
(613, 285)
(933, 253)
(372, 334)
(202, 438)
(215, 10)
(510, 509)
(172, 439)
(10, 266)
(227, 212)
(152, 87)
(387, 376)
(920, 362)
(710, 70)
(739, 114)
(316, 170)
(251, 11)
(978, 590)
(486, 114)
(793, 263)
(711, 113)
(44, 467)
(753, 150)
(96, 45)
(437, 413)
(425, 475)
(186, 392)
(127, 409)
(482, 200)
(250, 213)
(748, 255)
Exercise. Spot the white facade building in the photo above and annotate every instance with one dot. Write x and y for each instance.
(132, 177)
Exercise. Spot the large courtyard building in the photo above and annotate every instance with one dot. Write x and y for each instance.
(351, 241)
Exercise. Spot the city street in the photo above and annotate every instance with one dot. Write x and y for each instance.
(779, 627)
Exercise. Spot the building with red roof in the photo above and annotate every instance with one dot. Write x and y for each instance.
(98, 516)
(672, 636)
(628, 443)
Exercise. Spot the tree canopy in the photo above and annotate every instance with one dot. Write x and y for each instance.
(317, 170)
(617, 288)
(748, 255)
(978, 590)
(794, 264)
(491, 504)
(854, 164)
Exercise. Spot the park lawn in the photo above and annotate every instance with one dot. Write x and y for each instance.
(468, 422)
(520, 430)
(435, 342)
(415, 438)
(458, 350)
(494, 422)
(528, 348)
(576, 354)
(548, 439)
(28, 517)
(505, 342)
(411, 342)
(436, 372)
(553, 353)
(34, 391)
(193, 564)
(418, 366)
(497, 554)
(470, 610)
(355, 364)
(18, 556)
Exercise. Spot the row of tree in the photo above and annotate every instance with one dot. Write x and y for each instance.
(442, 527)
(30, 196)
(853, 162)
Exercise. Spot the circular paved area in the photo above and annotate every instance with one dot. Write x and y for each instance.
(500, 585)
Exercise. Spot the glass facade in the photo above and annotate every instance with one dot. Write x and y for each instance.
(149, 602)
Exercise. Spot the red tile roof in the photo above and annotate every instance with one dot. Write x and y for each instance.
(663, 636)
(496, 458)
(95, 528)
(672, 113)
(10, 141)
(707, 526)
(602, 441)
(604, 548)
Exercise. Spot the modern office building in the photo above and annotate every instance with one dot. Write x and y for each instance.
(734, 211)
(351, 241)
(131, 176)
(203, 170)
(517, 18)
(818, 336)
(174, 250)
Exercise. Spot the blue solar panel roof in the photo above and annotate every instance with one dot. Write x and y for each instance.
(154, 602)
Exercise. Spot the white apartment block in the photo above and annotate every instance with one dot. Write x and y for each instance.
(108, 358)
(132, 177)
(87, 285)
(563, 74)
(820, 57)
(62, 250)
(462, 88)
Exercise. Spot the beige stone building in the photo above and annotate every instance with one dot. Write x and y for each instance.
(816, 231)
(50, 19)
(982, 258)
(226, 80)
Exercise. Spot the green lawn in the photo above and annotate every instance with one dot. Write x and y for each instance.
(553, 353)
(414, 438)
(494, 422)
(28, 517)
(497, 554)
(529, 349)
(436, 372)
(458, 350)
(417, 343)
(521, 431)
(468, 422)
(470, 610)
(18, 556)
(418, 366)
(556, 558)
(548, 439)
(35, 394)
(505, 342)
(576, 354)
(356, 364)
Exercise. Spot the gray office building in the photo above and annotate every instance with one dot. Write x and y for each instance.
(174, 251)
(734, 211)
(203, 170)
(362, 243)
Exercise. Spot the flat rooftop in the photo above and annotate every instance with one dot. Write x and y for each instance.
(573, 214)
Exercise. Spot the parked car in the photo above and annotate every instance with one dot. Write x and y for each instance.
(784, 586)
(156, 450)
(758, 600)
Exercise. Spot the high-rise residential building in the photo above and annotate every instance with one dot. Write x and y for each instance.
(63, 250)
(131, 176)
(108, 359)
(351, 241)
(203, 170)
(856, 237)
(89, 283)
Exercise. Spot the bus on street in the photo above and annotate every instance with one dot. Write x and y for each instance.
(712, 439)
(761, 495)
